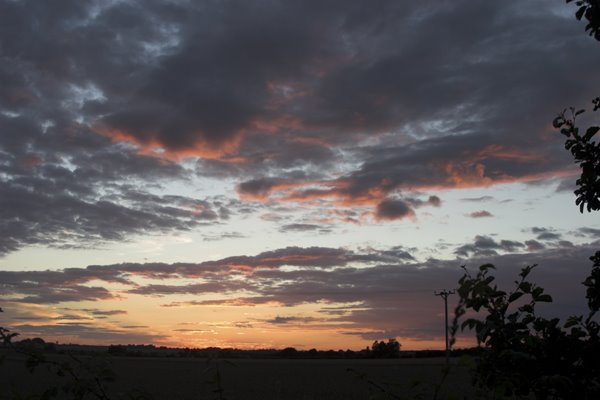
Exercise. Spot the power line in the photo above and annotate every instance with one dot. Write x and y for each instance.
(444, 295)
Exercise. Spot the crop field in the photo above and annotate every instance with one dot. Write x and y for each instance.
(252, 379)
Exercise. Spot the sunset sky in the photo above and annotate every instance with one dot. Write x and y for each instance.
(270, 173)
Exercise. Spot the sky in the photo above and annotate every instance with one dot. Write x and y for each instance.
(270, 173)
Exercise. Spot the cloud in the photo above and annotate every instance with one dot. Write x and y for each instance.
(549, 236)
(480, 199)
(223, 236)
(105, 313)
(289, 103)
(367, 292)
(377, 335)
(257, 188)
(29, 293)
(84, 333)
(69, 284)
(534, 245)
(590, 232)
(350, 111)
(284, 320)
(434, 201)
(96, 312)
(304, 228)
(480, 214)
(390, 209)
(486, 246)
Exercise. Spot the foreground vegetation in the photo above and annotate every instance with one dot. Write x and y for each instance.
(250, 379)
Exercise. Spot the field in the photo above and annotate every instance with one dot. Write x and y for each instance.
(250, 379)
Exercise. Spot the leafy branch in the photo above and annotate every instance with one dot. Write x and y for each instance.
(586, 153)
(590, 10)
(523, 352)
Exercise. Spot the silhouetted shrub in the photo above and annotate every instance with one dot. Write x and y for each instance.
(524, 353)
(288, 352)
(389, 349)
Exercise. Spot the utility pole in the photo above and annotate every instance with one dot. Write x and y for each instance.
(444, 295)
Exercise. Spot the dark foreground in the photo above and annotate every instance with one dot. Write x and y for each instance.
(182, 379)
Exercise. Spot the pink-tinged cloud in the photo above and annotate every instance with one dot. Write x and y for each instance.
(149, 144)
(350, 298)
(426, 166)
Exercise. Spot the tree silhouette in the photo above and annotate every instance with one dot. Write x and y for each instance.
(583, 147)
(590, 10)
(525, 353)
(586, 152)
(389, 349)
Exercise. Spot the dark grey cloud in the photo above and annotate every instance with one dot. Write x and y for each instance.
(289, 156)
(284, 320)
(260, 187)
(565, 243)
(546, 234)
(104, 313)
(84, 333)
(52, 295)
(379, 335)
(534, 245)
(69, 284)
(393, 254)
(96, 312)
(480, 199)
(434, 201)
(480, 214)
(483, 246)
(271, 95)
(391, 209)
(301, 227)
(549, 236)
(224, 286)
(32, 214)
(567, 185)
(366, 291)
(62, 183)
(590, 232)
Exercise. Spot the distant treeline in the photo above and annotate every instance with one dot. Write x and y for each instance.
(145, 350)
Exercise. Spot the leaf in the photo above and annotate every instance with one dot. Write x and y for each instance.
(514, 296)
(526, 308)
(528, 319)
(558, 122)
(591, 131)
(525, 271)
(525, 287)
(572, 321)
(544, 298)
(471, 323)
(580, 13)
